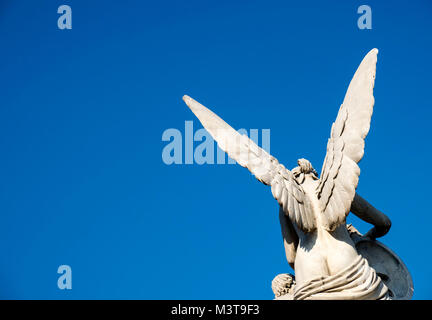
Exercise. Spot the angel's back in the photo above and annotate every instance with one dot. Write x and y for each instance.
(321, 253)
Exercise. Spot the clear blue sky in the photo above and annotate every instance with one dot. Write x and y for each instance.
(82, 112)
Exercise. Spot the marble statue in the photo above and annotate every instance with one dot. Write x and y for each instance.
(330, 259)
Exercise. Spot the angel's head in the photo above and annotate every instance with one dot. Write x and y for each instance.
(304, 170)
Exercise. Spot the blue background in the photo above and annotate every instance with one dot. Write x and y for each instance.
(82, 112)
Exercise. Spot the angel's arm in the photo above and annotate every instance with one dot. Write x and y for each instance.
(290, 237)
(365, 211)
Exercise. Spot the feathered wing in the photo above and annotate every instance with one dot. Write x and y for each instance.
(262, 165)
(345, 148)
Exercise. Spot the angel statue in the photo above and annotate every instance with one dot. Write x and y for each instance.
(330, 259)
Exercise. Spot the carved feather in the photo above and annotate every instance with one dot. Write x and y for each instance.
(285, 189)
(345, 148)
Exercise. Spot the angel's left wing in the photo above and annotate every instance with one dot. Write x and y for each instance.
(285, 189)
(345, 148)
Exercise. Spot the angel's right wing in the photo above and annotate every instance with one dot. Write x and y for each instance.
(345, 148)
(285, 189)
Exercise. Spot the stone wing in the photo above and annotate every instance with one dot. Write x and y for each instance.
(262, 165)
(345, 148)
